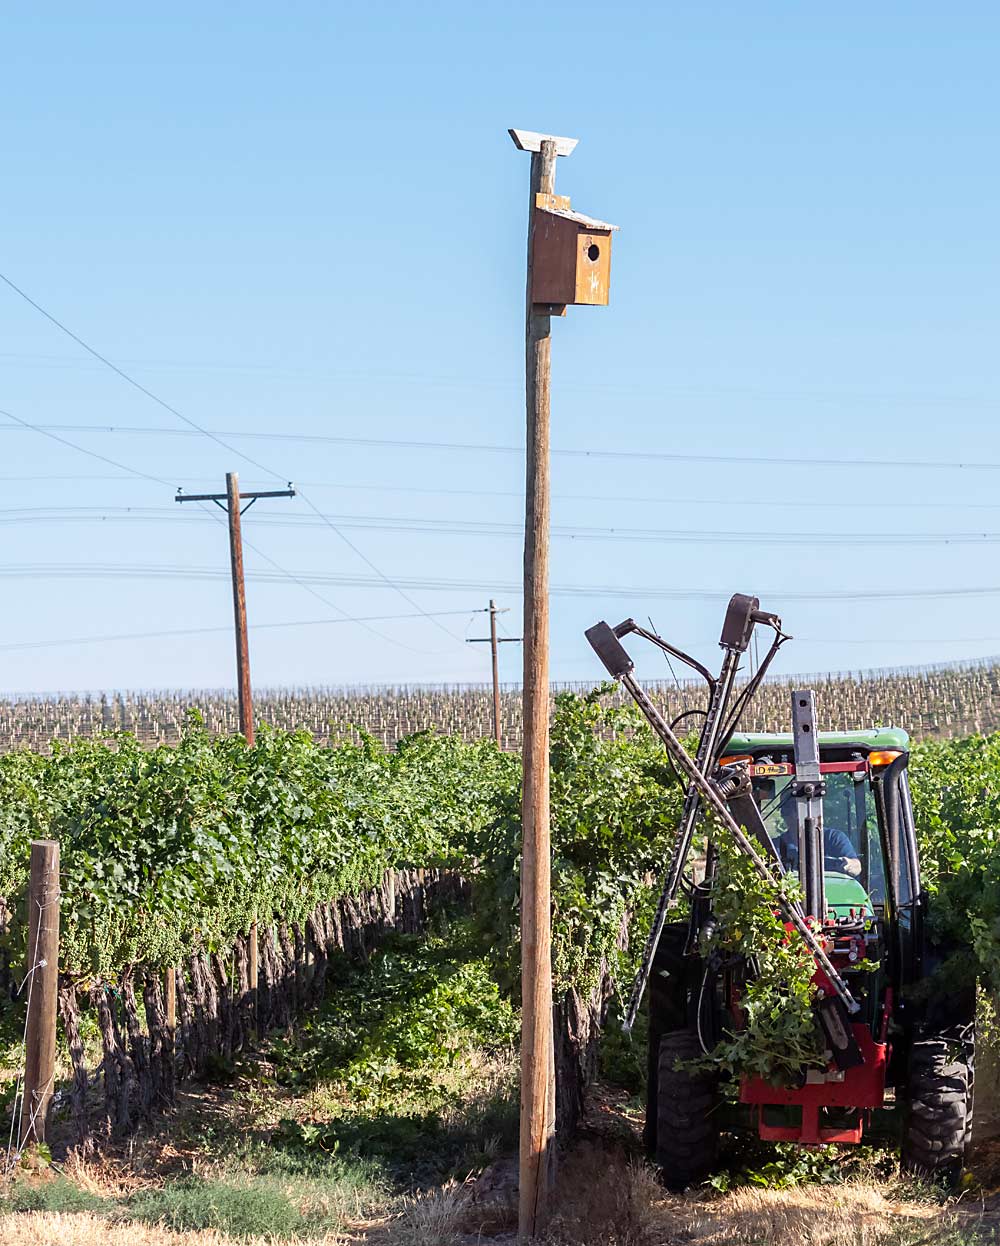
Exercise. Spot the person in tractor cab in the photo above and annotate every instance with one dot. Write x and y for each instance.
(838, 852)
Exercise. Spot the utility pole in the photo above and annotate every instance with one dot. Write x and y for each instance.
(568, 262)
(493, 640)
(230, 502)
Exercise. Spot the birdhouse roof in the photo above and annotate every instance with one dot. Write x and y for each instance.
(578, 218)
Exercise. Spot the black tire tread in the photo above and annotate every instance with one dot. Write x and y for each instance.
(687, 1131)
(667, 998)
(938, 1123)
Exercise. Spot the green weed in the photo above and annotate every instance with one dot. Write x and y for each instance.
(243, 1210)
(782, 1165)
(59, 1194)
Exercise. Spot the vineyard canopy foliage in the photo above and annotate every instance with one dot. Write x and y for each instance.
(171, 850)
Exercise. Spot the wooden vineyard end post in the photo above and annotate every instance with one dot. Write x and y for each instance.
(170, 1001)
(253, 952)
(42, 987)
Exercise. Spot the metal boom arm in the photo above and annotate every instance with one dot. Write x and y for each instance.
(620, 665)
(741, 616)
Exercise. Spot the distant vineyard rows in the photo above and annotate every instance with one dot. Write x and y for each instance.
(935, 704)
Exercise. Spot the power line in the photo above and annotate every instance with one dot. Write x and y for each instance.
(640, 592)
(673, 502)
(53, 436)
(193, 424)
(368, 562)
(203, 631)
(486, 448)
(513, 382)
(129, 380)
(518, 495)
(326, 601)
(134, 471)
(377, 523)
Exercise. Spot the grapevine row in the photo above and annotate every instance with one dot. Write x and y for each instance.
(930, 703)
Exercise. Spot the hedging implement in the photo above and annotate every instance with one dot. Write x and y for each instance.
(835, 810)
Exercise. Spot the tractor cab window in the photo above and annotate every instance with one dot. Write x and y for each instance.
(851, 843)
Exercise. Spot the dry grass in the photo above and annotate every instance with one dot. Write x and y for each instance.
(847, 1215)
(56, 1229)
(607, 1198)
(434, 1219)
(613, 1203)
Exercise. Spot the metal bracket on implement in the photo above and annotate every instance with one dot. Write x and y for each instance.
(620, 666)
(808, 790)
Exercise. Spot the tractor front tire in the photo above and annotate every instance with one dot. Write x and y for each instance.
(687, 1130)
(938, 1119)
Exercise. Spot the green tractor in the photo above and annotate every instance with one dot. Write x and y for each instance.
(834, 810)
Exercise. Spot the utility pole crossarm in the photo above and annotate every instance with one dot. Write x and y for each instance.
(222, 497)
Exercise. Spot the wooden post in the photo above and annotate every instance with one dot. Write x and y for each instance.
(253, 972)
(239, 607)
(569, 261)
(244, 687)
(537, 1067)
(170, 1000)
(42, 970)
(496, 673)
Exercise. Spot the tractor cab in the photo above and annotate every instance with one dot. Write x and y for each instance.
(854, 854)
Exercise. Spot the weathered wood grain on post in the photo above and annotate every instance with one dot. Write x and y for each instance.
(42, 970)
(170, 1009)
(170, 998)
(537, 1068)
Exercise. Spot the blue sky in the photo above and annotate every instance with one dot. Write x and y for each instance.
(308, 220)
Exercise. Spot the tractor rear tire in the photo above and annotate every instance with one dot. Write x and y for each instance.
(667, 993)
(687, 1129)
(938, 1118)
